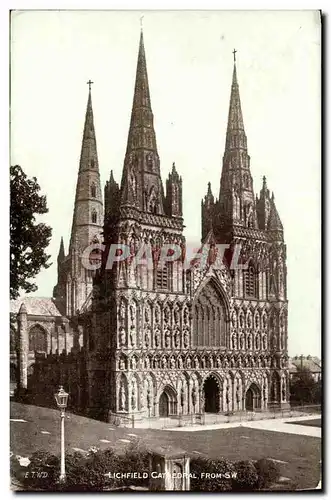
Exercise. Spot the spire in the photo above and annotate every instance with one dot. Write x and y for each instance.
(89, 157)
(141, 134)
(274, 222)
(235, 134)
(88, 210)
(61, 254)
(209, 198)
(141, 184)
(236, 197)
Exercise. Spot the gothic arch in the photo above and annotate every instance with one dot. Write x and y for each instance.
(213, 280)
(167, 401)
(37, 338)
(211, 390)
(211, 317)
(250, 280)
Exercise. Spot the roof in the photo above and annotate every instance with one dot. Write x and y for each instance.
(311, 363)
(36, 306)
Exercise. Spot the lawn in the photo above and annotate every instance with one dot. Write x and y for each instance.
(298, 455)
(316, 422)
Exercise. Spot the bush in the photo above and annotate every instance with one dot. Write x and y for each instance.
(246, 478)
(88, 472)
(220, 474)
(41, 473)
(268, 473)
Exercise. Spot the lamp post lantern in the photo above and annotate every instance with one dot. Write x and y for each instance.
(61, 399)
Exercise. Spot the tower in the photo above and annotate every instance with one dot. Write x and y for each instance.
(252, 225)
(131, 321)
(74, 280)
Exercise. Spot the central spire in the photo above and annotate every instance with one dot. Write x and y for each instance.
(235, 134)
(141, 181)
(141, 133)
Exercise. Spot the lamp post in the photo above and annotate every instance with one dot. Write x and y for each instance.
(61, 399)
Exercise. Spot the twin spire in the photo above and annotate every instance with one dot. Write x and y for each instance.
(235, 134)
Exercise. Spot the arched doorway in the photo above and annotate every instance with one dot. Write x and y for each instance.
(253, 398)
(212, 395)
(167, 403)
(164, 405)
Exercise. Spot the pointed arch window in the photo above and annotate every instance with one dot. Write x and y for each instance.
(93, 191)
(37, 339)
(94, 217)
(92, 163)
(163, 276)
(250, 282)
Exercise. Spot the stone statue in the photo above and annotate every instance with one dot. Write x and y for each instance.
(122, 311)
(122, 398)
(133, 335)
(194, 396)
(147, 338)
(122, 336)
(166, 315)
(157, 337)
(237, 395)
(133, 363)
(177, 338)
(180, 363)
(188, 362)
(122, 364)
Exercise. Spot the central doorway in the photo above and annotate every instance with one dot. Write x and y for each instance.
(164, 405)
(212, 395)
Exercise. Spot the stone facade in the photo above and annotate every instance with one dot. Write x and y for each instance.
(171, 339)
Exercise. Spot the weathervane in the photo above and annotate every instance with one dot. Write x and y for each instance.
(141, 22)
(234, 54)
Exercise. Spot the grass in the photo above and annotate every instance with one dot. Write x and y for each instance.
(316, 422)
(301, 453)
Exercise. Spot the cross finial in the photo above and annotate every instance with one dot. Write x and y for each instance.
(234, 54)
(141, 22)
(89, 83)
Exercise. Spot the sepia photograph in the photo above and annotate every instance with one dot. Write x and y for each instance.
(165, 262)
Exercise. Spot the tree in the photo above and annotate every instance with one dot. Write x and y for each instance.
(303, 387)
(28, 239)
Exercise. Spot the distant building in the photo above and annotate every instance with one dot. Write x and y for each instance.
(311, 363)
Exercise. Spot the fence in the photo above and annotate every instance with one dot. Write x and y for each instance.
(216, 418)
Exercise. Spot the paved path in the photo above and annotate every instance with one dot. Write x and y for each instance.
(276, 425)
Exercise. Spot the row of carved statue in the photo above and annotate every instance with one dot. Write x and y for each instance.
(199, 361)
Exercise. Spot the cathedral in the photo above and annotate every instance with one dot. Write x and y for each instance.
(167, 339)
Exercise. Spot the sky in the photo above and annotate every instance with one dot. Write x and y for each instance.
(189, 61)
